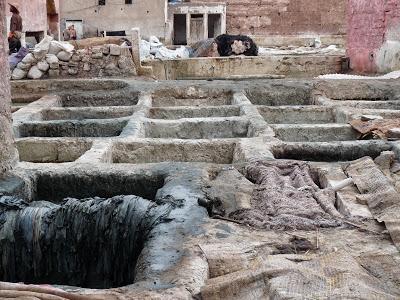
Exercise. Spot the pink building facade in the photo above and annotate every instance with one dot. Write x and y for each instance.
(373, 35)
(33, 13)
(38, 16)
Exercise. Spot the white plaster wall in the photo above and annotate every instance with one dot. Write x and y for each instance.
(8, 153)
(194, 8)
(149, 16)
(388, 56)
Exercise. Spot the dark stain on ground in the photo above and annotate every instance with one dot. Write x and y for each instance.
(297, 245)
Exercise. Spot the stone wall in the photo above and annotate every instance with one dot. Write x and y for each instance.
(98, 61)
(374, 35)
(8, 153)
(285, 17)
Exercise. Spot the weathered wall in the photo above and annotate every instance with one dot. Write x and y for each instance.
(33, 13)
(149, 16)
(53, 9)
(7, 151)
(388, 55)
(373, 37)
(193, 9)
(285, 17)
(108, 60)
(302, 66)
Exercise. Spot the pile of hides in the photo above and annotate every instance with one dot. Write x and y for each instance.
(287, 197)
(379, 128)
(229, 45)
(237, 271)
(223, 45)
(204, 48)
(91, 242)
(379, 193)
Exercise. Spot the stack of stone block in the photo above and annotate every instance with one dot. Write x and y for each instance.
(98, 61)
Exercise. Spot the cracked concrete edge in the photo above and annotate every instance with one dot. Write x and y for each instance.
(8, 151)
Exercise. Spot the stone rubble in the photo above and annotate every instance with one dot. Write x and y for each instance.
(52, 59)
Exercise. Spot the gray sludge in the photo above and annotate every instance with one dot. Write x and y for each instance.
(92, 243)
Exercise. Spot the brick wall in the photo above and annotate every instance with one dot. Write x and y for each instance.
(370, 25)
(285, 17)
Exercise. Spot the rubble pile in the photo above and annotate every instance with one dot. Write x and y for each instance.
(54, 59)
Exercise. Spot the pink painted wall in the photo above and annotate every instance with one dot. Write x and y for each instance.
(33, 13)
(284, 17)
(370, 24)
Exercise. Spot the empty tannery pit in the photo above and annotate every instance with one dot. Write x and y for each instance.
(330, 152)
(112, 98)
(173, 113)
(207, 152)
(192, 96)
(52, 151)
(134, 189)
(82, 113)
(72, 128)
(298, 114)
(207, 129)
(315, 132)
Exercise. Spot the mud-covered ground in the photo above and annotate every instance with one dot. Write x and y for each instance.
(197, 192)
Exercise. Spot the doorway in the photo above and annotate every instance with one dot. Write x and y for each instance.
(180, 29)
(214, 25)
(78, 24)
(196, 28)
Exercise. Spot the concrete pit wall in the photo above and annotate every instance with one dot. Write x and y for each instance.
(374, 35)
(229, 67)
(8, 154)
